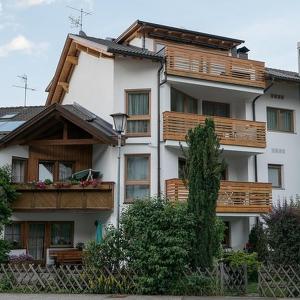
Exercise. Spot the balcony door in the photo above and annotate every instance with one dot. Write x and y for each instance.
(219, 109)
(181, 102)
(36, 240)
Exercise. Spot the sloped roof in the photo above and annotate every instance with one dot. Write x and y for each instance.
(114, 47)
(75, 113)
(22, 113)
(283, 74)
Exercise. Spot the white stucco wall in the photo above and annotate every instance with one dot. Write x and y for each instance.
(91, 85)
(282, 148)
(6, 154)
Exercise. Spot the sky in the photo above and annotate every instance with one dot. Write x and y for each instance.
(33, 32)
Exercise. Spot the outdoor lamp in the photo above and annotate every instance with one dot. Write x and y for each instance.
(120, 121)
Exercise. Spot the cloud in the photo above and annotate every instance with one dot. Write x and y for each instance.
(22, 45)
(29, 3)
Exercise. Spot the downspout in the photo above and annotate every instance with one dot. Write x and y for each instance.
(162, 62)
(254, 119)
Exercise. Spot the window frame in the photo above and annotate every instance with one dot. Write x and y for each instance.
(185, 101)
(136, 182)
(227, 105)
(278, 127)
(25, 160)
(50, 234)
(138, 117)
(280, 179)
(55, 167)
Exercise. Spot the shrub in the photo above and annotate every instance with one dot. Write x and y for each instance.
(283, 233)
(240, 258)
(258, 242)
(204, 167)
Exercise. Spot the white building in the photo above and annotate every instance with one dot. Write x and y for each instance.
(166, 79)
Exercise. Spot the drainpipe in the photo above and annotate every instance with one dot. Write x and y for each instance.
(254, 119)
(162, 62)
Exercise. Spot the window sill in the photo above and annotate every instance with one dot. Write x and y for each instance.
(280, 131)
(278, 188)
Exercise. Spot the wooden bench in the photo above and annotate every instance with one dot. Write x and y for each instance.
(64, 257)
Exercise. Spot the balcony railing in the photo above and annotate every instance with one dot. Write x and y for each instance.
(234, 196)
(33, 198)
(198, 64)
(230, 131)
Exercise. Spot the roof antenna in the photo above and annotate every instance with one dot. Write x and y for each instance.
(25, 87)
(77, 22)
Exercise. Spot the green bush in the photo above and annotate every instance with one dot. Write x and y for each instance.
(240, 258)
(258, 242)
(283, 233)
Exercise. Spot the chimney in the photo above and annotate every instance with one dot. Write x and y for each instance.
(298, 55)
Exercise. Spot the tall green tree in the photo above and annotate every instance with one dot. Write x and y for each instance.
(7, 195)
(203, 172)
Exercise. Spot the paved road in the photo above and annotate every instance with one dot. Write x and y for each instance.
(107, 297)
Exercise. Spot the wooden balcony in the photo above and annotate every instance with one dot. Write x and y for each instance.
(240, 197)
(230, 131)
(88, 198)
(187, 62)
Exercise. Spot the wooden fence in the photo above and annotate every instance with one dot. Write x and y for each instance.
(279, 281)
(220, 280)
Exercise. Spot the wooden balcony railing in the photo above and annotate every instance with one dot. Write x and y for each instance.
(183, 61)
(88, 198)
(243, 197)
(230, 131)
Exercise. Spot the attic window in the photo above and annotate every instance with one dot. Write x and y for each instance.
(8, 116)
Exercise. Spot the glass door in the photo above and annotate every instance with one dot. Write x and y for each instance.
(36, 240)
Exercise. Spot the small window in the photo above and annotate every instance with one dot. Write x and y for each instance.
(18, 170)
(46, 170)
(9, 116)
(137, 177)
(138, 110)
(65, 170)
(12, 233)
(62, 234)
(280, 119)
(181, 102)
(181, 167)
(216, 109)
(275, 175)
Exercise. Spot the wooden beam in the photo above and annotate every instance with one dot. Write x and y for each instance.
(72, 59)
(65, 131)
(64, 142)
(64, 85)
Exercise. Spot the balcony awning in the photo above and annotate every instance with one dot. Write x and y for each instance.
(86, 174)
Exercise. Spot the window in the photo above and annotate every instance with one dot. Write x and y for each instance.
(62, 234)
(275, 175)
(226, 238)
(137, 176)
(46, 170)
(65, 170)
(12, 233)
(181, 168)
(18, 169)
(181, 102)
(216, 109)
(138, 110)
(280, 119)
(55, 170)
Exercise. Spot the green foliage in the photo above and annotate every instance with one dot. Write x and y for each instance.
(240, 258)
(48, 181)
(258, 242)
(204, 168)
(7, 195)
(108, 253)
(157, 237)
(283, 233)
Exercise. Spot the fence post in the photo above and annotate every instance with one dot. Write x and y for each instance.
(222, 278)
(245, 276)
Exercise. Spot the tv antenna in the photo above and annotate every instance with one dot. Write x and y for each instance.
(77, 22)
(25, 87)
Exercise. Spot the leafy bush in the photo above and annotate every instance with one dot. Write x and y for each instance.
(283, 233)
(258, 242)
(157, 237)
(240, 258)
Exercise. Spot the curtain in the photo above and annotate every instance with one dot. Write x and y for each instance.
(18, 170)
(137, 168)
(46, 171)
(272, 119)
(138, 126)
(65, 170)
(286, 120)
(36, 241)
(177, 101)
(138, 104)
(137, 191)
